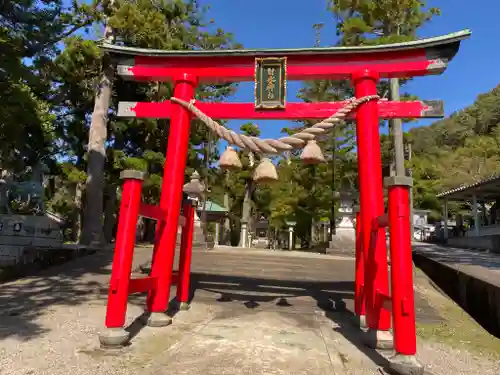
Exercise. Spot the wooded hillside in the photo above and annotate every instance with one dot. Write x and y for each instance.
(459, 149)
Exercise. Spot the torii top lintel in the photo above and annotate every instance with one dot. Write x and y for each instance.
(408, 59)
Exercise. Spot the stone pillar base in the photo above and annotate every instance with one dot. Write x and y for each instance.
(377, 339)
(114, 338)
(360, 322)
(406, 365)
(179, 306)
(157, 319)
(183, 306)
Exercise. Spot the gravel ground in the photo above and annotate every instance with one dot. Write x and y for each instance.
(49, 326)
(441, 359)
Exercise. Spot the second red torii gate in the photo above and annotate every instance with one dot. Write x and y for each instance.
(364, 66)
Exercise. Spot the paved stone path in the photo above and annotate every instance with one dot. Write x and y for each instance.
(480, 264)
(254, 312)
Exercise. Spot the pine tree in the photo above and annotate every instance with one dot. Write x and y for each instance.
(30, 32)
(136, 143)
(133, 143)
(379, 21)
(375, 22)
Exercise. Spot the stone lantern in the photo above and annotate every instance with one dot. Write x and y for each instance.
(195, 190)
(344, 240)
(346, 213)
(291, 230)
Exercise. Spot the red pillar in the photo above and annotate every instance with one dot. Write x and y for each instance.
(124, 249)
(359, 300)
(374, 246)
(403, 305)
(185, 256)
(171, 194)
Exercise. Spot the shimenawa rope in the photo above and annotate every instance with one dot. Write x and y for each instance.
(274, 146)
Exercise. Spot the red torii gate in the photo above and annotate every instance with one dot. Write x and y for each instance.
(364, 66)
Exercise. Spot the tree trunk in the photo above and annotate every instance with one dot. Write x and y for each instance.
(226, 236)
(245, 215)
(92, 230)
(77, 217)
(227, 224)
(140, 230)
(313, 232)
(110, 213)
(149, 231)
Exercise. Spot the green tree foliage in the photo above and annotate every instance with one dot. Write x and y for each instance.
(374, 22)
(50, 76)
(379, 21)
(460, 149)
(305, 193)
(30, 34)
(247, 199)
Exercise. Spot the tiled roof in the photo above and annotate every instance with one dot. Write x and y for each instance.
(463, 188)
(212, 207)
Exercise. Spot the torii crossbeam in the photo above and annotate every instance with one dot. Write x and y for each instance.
(293, 111)
(422, 57)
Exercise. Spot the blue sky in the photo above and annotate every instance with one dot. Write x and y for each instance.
(288, 24)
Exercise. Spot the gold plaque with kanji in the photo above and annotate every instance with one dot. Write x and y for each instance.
(270, 83)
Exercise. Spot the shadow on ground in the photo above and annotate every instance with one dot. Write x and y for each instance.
(84, 280)
(73, 283)
(334, 298)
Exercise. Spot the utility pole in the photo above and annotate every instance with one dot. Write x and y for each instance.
(397, 132)
(333, 228)
(206, 157)
(397, 136)
(410, 191)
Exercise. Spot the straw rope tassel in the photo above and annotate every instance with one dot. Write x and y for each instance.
(312, 153)
(230, 160)
(265, 172)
